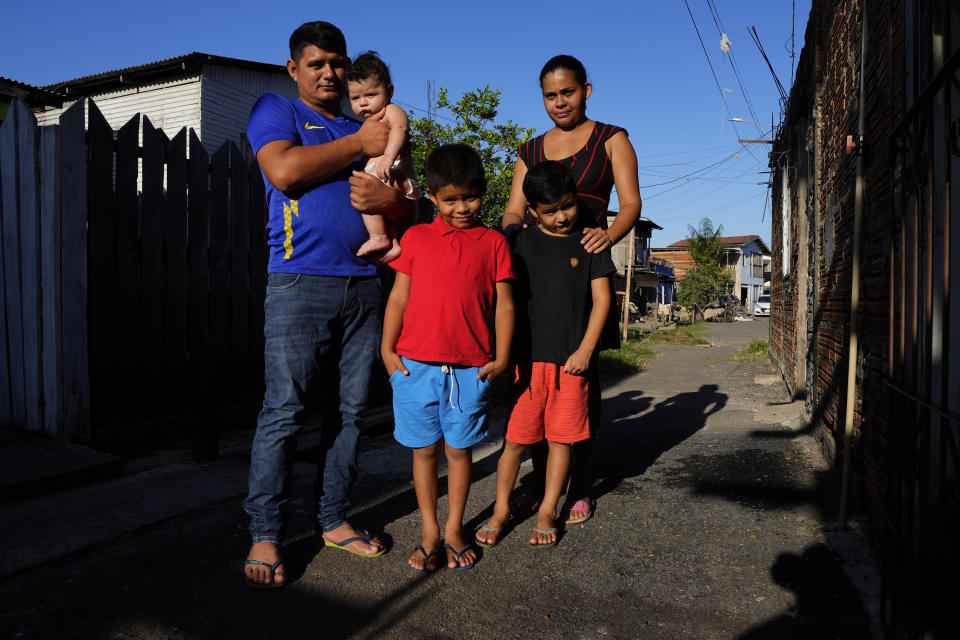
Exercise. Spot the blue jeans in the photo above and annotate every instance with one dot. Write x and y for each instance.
(322, 337)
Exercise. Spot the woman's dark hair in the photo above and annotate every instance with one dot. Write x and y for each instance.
(368, 65)
(569, 63)
(455, 164)
(319, 34)
(547, 182)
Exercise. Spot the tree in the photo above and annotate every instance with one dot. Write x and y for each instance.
(473, 124)
(708, 279)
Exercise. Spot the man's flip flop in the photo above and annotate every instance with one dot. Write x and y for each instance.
(457, 555)
(584, 506)
(365, 537)
(273, 572)
(545, 532)
(488, 530)
(426, 559)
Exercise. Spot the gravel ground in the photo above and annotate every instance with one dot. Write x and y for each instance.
(713, 521)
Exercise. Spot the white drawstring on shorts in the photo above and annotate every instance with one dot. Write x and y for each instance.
(448, 368)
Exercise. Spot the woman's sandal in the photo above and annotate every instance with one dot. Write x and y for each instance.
(583, 506)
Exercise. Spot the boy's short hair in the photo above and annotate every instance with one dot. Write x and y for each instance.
(319, 34)
(368, 65)
(547, 182)
(455, 164)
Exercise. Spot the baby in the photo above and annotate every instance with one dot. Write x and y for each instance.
(369, 89)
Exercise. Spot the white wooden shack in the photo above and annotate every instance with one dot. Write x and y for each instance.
(210, 94)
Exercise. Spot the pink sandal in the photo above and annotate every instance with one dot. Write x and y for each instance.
(583, 506)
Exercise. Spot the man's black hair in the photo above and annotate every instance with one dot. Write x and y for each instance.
(547, 182)
(319, 34)
(455, 164)
(368, 65)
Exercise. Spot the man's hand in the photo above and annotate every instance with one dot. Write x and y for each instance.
(369, 195)
(492, 370)
(373, 134)
(393, 362)
(578, 363)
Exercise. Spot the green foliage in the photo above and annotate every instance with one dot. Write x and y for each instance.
(708, 279)
(632, 357)
(689, 335)
(757, 350)
(474, 114)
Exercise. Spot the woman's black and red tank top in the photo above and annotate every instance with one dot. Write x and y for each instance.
(590, 167)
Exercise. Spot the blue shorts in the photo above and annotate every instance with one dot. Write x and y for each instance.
(439, 401)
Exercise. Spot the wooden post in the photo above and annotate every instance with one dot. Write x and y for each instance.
(626, 293)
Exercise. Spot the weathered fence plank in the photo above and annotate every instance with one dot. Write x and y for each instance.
(9, 170)
(128, 244)
(29, 261)
(239, 255)
(258, 259)
(175, 230)
(72, 158)
(102, 280)
(198, 230)
(152, 279)
(219, 265)
(51, 333)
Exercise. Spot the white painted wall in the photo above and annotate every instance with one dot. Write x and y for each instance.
(170, 105)
(227, 95)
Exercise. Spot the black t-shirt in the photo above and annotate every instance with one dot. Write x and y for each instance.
(553, 296)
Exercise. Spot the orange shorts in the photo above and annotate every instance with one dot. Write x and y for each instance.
(547, 402)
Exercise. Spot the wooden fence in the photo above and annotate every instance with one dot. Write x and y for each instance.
(133, 278)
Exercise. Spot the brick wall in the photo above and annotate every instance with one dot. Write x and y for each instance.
(810, 306)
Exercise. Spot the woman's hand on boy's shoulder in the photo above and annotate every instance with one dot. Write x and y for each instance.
(596, 240)
(492, 370)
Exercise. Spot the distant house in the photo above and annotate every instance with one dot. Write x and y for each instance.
(210, 94)
(744, 257)
(34, 97)
(647, 277)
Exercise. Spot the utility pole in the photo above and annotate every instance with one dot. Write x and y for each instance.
(626, 294)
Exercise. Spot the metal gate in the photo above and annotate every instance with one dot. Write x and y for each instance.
(921, 558)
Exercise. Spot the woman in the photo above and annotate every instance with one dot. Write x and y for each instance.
(599, 156)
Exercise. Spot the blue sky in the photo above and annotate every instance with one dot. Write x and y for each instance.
(649, 72)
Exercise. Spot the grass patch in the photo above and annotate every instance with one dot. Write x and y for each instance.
(690, 335)
(632, 358)
(757, 350)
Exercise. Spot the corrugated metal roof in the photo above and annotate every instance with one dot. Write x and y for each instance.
(152, 70)
(34, 96)
(726, 241)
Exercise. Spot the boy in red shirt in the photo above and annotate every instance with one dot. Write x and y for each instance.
(451, 287)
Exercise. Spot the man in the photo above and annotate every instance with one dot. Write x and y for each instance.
(323, 305)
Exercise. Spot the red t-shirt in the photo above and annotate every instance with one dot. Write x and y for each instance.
(453, 279)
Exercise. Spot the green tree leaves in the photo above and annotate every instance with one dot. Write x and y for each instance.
(708, 280)
(473, 124)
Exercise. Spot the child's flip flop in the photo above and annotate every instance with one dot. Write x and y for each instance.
(457, 555)
(545, 532)
(426, 559)
(488, 530)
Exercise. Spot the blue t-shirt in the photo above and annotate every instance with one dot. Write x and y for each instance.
(315, 231)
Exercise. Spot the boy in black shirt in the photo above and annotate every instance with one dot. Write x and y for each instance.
(562, 299)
